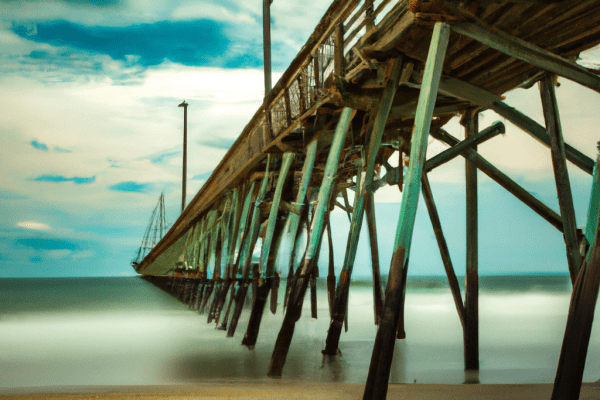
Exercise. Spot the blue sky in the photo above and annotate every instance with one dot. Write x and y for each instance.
(91, 134)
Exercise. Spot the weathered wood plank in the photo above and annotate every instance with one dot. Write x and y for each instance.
(528, 52)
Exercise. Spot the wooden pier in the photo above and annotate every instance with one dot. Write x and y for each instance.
(375, 80)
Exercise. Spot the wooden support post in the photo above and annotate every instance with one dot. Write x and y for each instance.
(561, 175)
(592, 220)
(294, 308)
(292, 274)
(247, 249)
(369, 15)
(347, 204)
(293, 221)
(302, 103)
(241, 214)
(288, 107)
(267, 260)
(341, 295)
(267, 256)
(317, 72)
(383, 350)
(242, 232)
(503, 180)
(338, 50)
(571, 363)
(313, 292)
(232, 293)
(471, 331)
(221, 247)
(213, 230)
(372, 226)
(229, 250)
(529, 53)
(201, 293)
(330, 269)
(276, 280)
(444, 252)
(469, 143)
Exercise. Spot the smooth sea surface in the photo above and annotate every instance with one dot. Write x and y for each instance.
(125, 331)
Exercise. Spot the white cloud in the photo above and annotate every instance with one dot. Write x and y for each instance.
(215, 12)
(36, 226)
(82, 254)
(58, 254)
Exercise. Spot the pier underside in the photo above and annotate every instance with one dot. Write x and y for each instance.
(375, 80)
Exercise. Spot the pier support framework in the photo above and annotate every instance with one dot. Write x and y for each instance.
(350, 100)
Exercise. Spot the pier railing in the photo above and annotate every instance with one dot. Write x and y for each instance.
(296, 96)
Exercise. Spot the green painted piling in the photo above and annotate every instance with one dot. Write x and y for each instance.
(341, 295)
(294, 308)
(379, 370)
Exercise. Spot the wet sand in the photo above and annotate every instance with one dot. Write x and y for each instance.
(293, 390)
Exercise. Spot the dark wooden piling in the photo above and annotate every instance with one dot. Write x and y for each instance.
(471, 331)
(383, 349)
(232, 295)
(330, 270)
(256, 314)
(571, 363)
(372, 227)
(444, 252)
(313, 292)
(561, 175)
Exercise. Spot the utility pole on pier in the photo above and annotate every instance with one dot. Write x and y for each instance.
(184, 105)
(267, 44)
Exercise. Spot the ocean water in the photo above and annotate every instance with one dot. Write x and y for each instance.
(125, 331)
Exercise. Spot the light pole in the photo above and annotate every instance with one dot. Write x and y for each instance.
(267, 43)
(184, 105)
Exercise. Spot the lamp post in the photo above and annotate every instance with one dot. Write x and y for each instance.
(267, 43)
(184, 105)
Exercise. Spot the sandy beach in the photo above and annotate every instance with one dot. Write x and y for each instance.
(293, 390)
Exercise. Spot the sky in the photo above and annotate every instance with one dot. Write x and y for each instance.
(90, 134)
